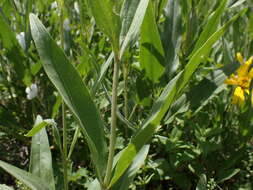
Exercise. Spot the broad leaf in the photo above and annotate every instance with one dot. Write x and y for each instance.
(41, 158)
(106, 14)
(73, 91)
(32, 181)
(151, 50)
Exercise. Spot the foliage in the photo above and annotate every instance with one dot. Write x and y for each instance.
(133, 91)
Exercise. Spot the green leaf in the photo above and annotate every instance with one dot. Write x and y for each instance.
(197, 98)
(41, 158)
(171, 31)
(39, 124)
(164, 101)
(127, 14)
(132, 18)
(73, 91)
(210, 27)
(102, 73)
(224, 175)
(135, 21)
(106, 14)
(202, 184)
(32, 181)
(74, 140)
(151, 50)
(125, 181)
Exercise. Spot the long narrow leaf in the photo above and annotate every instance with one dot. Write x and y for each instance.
(74, 92)
(135, 25)
(171, 31)
(41, 158)
(127, 15)
(210, 27)
(126, 180)
(34, 182)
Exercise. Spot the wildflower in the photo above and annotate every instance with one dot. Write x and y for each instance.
(31, 91)
(241, 80)
(21, 39)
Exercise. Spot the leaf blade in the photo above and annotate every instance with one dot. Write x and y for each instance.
(151, 50)
(30, 180)
(74, 92)
(41, 158)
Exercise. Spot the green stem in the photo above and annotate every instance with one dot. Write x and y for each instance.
(113, 120)
(64, 135)
(125, 72)
(65, 151)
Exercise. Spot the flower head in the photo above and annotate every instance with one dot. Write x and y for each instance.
(241, 80)
(31, 91)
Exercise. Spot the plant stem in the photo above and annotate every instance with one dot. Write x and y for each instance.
(64, 133)
(113, 120)
(125, 72)
(64, 152)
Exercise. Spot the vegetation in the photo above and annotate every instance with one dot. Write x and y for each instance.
(126, 94)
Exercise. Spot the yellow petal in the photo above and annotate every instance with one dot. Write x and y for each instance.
(243, 70)
(238, 97)
(249, 61)
(239, 57)
(231, 81)
(251, 73)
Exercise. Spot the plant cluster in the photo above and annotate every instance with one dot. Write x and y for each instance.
(127, 94)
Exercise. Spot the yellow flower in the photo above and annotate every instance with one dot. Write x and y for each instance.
(241, 80)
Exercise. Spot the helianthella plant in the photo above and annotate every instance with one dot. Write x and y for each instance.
(148, 41)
